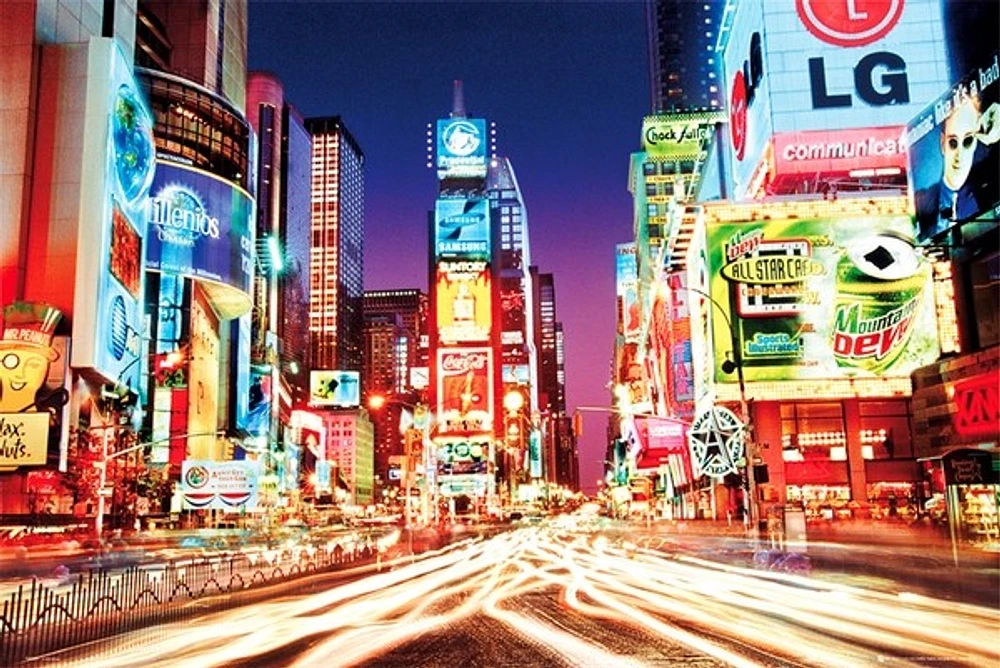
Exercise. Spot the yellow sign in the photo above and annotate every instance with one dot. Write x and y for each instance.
(24, 439)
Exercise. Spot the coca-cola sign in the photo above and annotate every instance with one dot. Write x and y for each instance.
(462, 362)
(465, 390)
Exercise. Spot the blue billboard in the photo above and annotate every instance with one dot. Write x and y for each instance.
(198, 225)
(461, 228)
(461, 148)
(107, 323)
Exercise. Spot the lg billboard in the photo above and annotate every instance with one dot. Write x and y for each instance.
(812, 65)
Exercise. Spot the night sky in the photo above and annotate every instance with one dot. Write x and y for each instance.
(565, 82)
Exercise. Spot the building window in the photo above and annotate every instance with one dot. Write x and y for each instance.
(885, 429)
(813, 431)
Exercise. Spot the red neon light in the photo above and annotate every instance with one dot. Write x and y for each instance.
(977, 401)
(840, 150)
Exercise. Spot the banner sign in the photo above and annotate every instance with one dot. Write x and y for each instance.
(215, 485)
(199, 226)
(465, 390)
(822, 298)
(462, 228)
(461, 148)
(627, 290)
(464, 313)
(954, 153)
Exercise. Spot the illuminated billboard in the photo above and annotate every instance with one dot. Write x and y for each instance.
(119, 164)
(954, 154)
(462, 455)
(199, 226)
(813, 65)
(258, 421)
(464, 304)
(878, 151)
(627, 290)
(461, 228)
(461, 148)
(465, 390)
(822, 298)
(335, 388)
(678, 136)
(217, 485)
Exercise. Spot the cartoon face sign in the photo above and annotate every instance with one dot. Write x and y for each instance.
(22, 374)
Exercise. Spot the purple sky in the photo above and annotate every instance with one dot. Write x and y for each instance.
(566, 84)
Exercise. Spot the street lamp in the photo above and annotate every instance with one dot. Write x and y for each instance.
(728, 366)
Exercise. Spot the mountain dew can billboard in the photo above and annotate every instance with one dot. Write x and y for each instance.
(822, 298)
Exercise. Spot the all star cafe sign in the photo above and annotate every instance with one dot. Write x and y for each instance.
(716, 439)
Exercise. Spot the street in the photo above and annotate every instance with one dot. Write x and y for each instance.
(564, 594)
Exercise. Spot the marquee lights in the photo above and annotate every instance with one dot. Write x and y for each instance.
(833, 388)
(848, 207)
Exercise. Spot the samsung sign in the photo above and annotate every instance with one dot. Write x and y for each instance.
(198, 225)
(827, 65)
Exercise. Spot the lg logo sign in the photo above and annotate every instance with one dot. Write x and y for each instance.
(849, 22)
(880, 76)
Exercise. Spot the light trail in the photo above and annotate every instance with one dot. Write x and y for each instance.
(724, 613)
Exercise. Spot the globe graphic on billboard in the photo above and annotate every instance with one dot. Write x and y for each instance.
(133, 145)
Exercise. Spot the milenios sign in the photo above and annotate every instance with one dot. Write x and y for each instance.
(198, 225)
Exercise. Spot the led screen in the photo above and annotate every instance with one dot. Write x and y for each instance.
(822, 298)
(462, 456)
(461, 228)
(461, 147)
(465, 390)
(954, 153)
(464, 310)
(199, 226)
(335, 388)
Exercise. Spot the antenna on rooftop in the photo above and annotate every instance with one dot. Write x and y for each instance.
(458, 101)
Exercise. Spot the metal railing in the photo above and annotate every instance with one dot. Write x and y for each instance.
(40, 619)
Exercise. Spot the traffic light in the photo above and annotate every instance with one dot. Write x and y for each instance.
(578, 424)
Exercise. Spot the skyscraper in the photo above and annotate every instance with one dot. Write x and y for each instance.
(284, 235)
(337, 264)
(409, 306)
(681, 39)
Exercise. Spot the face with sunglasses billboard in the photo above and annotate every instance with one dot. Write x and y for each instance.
(954, 154)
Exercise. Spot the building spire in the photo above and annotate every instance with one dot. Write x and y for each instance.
(458, 100)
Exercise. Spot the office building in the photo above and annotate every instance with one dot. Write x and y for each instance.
(683, 66)
(337, 263)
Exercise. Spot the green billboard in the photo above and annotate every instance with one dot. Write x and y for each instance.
(822, 298)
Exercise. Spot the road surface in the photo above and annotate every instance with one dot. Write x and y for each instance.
(566, 596)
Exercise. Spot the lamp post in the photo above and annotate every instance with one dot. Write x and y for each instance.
(106, 457)
(728, 366)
